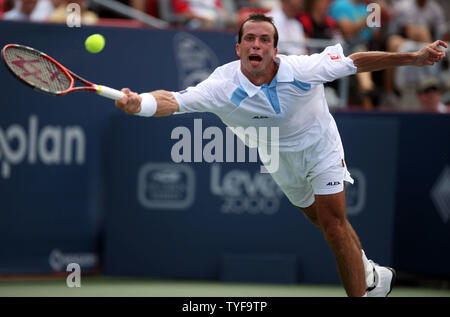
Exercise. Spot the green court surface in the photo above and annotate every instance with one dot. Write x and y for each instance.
(128, 287)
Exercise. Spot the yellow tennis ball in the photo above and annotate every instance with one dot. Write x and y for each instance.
(95, 43)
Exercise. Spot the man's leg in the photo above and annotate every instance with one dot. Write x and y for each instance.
(329, 214)
(311, 213)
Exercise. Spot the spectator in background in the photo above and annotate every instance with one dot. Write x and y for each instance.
(290, 30)
(417, 20)
(316, 21)
(429, 95)
(265, 4)
(245, 7)
(61, 13)
(22, 10)
(147, 6)
(318, 24)
(351, 18)
(269, 4)
(413, 22)
(202, 13)
(5, 5)
(150, 7)
(44, 9)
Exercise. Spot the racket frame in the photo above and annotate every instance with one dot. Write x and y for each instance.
(71, 76)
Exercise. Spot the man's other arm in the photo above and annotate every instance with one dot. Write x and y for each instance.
(374, 61)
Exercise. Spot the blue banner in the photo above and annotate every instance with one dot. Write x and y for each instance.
(422, 221)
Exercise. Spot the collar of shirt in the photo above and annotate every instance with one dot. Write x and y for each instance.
(284, 74)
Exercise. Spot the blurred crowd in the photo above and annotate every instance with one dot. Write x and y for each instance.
(305, 27)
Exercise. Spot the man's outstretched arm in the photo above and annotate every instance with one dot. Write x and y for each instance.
(161, 103)
(373, 61)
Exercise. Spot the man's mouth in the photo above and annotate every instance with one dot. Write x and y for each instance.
(254, 59)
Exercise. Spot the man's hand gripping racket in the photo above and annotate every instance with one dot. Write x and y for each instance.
(43, 73)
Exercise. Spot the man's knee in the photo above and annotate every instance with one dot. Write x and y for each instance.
(334, 230)
(331, 215)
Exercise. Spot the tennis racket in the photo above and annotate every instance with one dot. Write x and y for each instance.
(43, 73)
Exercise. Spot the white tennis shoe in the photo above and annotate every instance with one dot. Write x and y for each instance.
(384, 280)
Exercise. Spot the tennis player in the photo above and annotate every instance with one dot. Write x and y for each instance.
(266, 89)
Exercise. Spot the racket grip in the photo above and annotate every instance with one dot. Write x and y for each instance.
(109, 92)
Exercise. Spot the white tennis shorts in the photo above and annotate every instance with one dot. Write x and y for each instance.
(319, 169)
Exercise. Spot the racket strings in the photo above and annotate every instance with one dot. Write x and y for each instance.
(36, 70)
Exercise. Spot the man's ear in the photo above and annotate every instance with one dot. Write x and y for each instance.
(275, 52)
(238, 53)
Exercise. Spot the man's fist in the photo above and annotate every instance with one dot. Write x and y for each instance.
(130, 103)
(430, 54)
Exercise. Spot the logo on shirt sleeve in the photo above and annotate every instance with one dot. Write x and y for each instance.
(334, 56)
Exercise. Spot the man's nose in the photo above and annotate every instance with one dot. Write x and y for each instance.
(256, 44)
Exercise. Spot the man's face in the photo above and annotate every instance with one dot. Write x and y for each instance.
(256, 50)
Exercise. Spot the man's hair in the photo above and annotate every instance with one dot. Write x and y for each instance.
(259, 17)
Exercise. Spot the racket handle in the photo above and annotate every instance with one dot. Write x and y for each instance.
(109, 92)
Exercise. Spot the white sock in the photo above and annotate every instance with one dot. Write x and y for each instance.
(368, 268)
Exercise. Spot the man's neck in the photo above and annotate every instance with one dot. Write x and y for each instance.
(262, 79)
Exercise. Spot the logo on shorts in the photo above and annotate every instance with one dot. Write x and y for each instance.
(333, 183)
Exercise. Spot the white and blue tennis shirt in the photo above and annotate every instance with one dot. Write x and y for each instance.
(294, 101)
